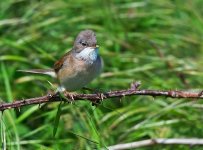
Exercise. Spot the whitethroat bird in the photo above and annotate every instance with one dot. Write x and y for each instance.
(79, 66)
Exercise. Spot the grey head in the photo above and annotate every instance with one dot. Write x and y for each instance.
(85, 38)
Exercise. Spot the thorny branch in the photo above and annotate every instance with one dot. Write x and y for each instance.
(94, 98)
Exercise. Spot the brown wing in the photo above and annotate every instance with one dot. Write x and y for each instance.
(59, 64)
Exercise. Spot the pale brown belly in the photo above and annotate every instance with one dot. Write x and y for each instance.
(81, 76)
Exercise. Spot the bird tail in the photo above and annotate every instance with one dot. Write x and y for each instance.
(50, 72)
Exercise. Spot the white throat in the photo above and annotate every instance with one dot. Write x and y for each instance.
(89, 54)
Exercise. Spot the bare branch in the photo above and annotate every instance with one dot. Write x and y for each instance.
(150, 142)
(102, 96)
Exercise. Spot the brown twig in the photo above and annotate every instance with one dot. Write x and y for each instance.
(95, 97)
(150, 142)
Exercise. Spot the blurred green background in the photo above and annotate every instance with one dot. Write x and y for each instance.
(156, 42)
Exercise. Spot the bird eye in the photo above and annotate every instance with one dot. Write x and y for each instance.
(84, 43)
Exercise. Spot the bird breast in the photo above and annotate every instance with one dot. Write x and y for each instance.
(76, 75)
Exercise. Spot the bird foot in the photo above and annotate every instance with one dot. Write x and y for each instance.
(69, 96)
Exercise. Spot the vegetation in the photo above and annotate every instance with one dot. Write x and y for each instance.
(156, 42)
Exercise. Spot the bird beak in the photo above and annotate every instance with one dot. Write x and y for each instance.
(94, 47)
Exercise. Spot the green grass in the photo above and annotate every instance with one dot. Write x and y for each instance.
(148, 41)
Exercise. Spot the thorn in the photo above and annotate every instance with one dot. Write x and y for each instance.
(123, 95)
(135, 85)
(101, 96)
(49, 95)
(200, 93)
(120, 99)
(95, 103)
(18, 109)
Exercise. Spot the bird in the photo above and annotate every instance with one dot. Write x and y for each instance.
(79, 66)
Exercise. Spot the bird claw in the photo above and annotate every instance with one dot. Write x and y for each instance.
(98, 101)
(70, 96)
